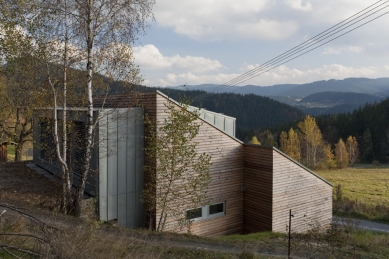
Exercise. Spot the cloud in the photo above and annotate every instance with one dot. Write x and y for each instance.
(218, 20)
(148, 57)
(205, 20)
(331, 51)
(356, 49)
(299, 5)
(280, 75)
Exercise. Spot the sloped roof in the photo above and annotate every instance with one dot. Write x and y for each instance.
(294, 161)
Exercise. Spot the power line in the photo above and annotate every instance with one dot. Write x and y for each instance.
(306, 44)
(276, 62)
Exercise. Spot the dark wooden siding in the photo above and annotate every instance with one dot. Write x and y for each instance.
(296, 188)
(258, 179)
(3, 152)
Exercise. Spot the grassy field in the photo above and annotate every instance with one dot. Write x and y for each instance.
(364, 191)
(11, 151)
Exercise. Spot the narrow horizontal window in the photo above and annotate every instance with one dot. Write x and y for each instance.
(216, 208)
(207, 212)
(194, 213)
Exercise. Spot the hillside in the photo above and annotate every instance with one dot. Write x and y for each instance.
(30, 221)
(369, 124)
(334, 102)
(298, 91)
(336, 98)
(251, 111)
(356, 85)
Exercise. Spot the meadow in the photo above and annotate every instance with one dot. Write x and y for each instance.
(361, 191)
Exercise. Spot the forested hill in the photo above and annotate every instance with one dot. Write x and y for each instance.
(369, 124)
(340, 98)
(251, 111)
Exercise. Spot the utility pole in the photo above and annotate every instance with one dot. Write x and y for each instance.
(290, 227)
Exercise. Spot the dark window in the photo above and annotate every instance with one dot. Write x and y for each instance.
(195, 213)
(47, 140)
(216, 208)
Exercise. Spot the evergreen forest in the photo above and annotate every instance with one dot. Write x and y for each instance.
(251, 111)
(368, 126)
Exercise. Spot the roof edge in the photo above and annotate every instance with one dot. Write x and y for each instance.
(177, 103)
(299, 164)
(291, 159)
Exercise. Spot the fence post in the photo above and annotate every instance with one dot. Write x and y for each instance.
(290, 227)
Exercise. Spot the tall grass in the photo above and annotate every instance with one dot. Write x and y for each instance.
(361, 192)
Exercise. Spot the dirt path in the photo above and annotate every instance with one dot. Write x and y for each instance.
(362, 224)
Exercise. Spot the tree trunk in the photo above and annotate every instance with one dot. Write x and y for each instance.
(89, 125)
(18, 152)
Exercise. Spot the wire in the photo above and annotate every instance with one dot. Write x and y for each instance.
(275, 62)
(260, 68)
(304, 46)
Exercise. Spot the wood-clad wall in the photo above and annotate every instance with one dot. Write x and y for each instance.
(258, 184)
(226, 178)
(296, 188)
(3, 152)
(149, 102)
(258, 180)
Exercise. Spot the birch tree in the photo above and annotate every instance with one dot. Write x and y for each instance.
(341, 154)
(311, 141)
(180, 175)
(352, 149)
(21, 89)
(290, 144)
(99, 33)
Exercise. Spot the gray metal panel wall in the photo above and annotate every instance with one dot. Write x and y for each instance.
(103, 169)
(121, 167)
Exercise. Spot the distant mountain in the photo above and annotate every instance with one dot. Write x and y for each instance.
(248, 89)
(334, 102)
(343, 108)
(336, 98)
(355, 85)
(379, 87)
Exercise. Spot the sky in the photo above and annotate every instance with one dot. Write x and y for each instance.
(195, 42)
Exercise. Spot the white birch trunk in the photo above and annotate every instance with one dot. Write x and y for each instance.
(90, 124)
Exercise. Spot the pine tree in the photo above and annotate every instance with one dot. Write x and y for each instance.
(270, 141)
(341, 154)
(367, 147)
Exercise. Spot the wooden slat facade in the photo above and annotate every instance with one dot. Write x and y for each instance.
(258, 184)
(306, 194)
(258, 181)
(226, 176)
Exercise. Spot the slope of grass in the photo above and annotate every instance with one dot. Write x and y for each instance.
(363, 193)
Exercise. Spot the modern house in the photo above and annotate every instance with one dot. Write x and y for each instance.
(252, 187)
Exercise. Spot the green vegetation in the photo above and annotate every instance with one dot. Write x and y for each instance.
(11, 149)
(364, 191)
(336, 242)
